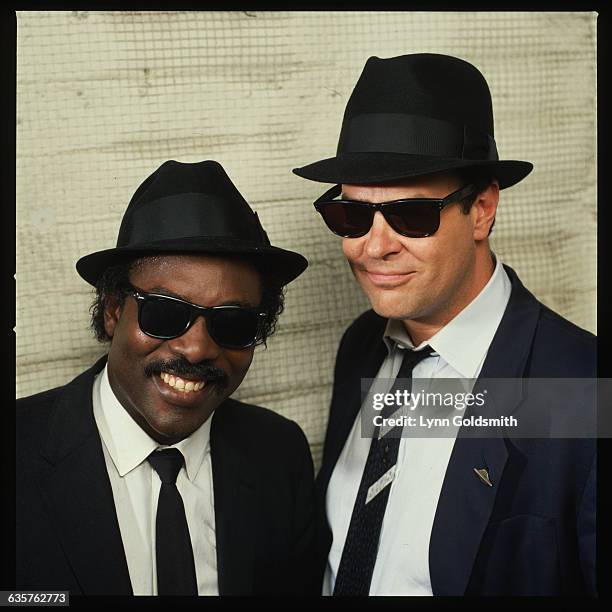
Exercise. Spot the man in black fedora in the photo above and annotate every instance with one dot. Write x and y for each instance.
(142, 476)
(417, 178)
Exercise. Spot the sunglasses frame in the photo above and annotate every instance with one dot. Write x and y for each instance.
(327, 198)
(195, 312)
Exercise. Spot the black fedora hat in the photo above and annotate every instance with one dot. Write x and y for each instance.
(192, 208)
(413, 115)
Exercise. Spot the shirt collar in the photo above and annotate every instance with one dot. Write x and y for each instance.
(464, 341)
(129, 445)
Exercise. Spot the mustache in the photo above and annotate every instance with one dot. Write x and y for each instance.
(183, 368)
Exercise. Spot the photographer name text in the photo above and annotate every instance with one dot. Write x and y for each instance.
(432, 422)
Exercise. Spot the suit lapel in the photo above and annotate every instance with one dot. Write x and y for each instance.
(466, 502)
(75, 486)
(235, 522)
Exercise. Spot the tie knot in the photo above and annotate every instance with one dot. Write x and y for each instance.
(411, 358)
(167, 463)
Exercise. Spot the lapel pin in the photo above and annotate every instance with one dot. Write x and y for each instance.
(483, 475)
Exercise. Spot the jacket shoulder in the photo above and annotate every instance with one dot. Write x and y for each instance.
(366, 322)
(33, 411)
(38, 407)
(367, 327)
(274, 447)
(255, 416)
(264, 427)
(562, 349)
(38, 400)
(568, 331)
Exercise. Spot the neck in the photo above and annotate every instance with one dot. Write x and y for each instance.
(424, 328)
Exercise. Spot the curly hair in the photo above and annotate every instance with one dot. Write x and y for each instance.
(115, 284)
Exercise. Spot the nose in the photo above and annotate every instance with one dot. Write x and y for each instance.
(195, 344)
(381, 240)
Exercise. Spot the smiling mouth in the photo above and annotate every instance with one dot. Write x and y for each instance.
(180, 384)
(379, 278)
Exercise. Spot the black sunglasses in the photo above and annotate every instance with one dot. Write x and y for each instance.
(411, 217)
(166, 317)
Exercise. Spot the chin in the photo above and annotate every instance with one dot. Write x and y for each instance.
(170, 435)
(390, 312)
(386, 306)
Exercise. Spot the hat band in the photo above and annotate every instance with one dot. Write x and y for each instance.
(414, 135)
(189, 215)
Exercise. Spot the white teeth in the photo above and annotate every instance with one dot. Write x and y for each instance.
(180, 385)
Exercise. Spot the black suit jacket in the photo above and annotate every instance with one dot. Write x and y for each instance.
(68, 536)
(533, 531)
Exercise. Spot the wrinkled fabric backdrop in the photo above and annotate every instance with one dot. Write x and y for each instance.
(105, 97)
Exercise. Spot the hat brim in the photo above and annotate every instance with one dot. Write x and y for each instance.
(284, 265)
(370, 168)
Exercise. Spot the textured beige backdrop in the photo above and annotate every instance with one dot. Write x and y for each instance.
(105, 97)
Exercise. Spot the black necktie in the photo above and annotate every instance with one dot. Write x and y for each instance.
(361, 545)
(175, 567)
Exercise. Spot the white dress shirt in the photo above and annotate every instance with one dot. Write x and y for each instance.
(402, 563)
(136, 486)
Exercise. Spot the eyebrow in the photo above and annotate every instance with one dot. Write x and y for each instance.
(163, 291)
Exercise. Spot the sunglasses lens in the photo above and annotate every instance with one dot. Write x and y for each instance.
(228, 326)
(233, 327)
(414, 219)
(348, 219)
(163, 318)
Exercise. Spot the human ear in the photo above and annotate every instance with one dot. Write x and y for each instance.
(485, 208)
(112, 313)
